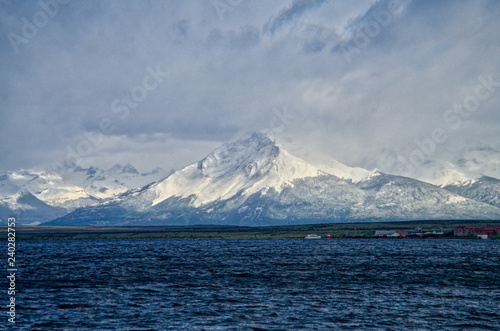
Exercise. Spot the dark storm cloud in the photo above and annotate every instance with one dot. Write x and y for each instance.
(358, 82)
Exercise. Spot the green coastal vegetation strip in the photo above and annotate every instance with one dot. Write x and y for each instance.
(233, 232)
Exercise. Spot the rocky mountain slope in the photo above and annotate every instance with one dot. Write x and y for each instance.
(45, 195)
(257, 182)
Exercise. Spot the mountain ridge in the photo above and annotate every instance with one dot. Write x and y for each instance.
(66, 189)
(255, 181)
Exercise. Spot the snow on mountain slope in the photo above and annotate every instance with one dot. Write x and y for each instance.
(333, 167)
(130, 178)
(464, 169)
(256, 182)
(485, 189)
(441, 173)
(43, 195)
(244, 167)
(48, 187)
(96, 182)
(474, 174)
(395, 197)
(28, 209)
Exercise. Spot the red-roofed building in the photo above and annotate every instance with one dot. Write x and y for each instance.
(471, 231)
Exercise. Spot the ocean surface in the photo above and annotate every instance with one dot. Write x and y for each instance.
(258, 284)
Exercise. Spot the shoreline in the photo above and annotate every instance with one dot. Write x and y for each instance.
(336, 230)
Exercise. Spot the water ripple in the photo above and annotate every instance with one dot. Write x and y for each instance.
(259, 284)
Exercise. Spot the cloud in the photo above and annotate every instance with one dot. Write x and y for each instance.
(231, 74)
(297, 8)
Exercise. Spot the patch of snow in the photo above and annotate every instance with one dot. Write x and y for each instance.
(442, 174)
(455, 199)
(333, 167)
(250, 166)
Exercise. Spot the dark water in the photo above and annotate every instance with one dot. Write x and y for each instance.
(258, 284)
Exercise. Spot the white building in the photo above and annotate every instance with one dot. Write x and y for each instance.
(385, 233)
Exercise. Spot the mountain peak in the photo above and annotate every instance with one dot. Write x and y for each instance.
(126, 169)
(247, 166)
(251, 153)
(116, 168)
(255, 181)
(129, 169)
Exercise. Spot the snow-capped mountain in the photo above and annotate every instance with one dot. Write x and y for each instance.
(333, 167)
(257, 182)
(472, 174)
(28, 209)
(53, 193)
(49, 187)
(442, 174)
(470, 165)
(485, 189)
(257, 165)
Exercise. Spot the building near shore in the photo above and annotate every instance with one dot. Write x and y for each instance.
(473, 231)
(385, 233)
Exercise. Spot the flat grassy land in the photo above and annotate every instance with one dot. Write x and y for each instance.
(366, 230)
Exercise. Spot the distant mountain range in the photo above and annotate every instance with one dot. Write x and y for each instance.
(473, 174)
(253, 181)
(39, 196)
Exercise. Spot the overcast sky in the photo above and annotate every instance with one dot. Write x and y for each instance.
(163, 83)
